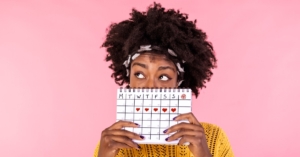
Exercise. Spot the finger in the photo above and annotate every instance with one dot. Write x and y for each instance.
(121, 139)
(120, 124)
(190, 139)
(187, 116)
(184, 133)
(128, 134)
(116, 145)
(183, 126)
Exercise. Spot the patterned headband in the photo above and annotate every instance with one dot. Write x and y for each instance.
(144, 48)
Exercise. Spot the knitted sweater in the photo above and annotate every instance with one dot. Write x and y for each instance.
(216, 138)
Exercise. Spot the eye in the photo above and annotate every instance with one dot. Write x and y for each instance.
(139, 75)
(164, 78)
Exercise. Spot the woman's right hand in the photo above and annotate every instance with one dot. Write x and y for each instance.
(114, 138)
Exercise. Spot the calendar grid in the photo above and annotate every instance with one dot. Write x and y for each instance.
(152, 110)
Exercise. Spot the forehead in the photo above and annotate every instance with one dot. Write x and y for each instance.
(153, 58)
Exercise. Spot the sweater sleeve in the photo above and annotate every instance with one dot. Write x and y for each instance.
(96, 150)
(222, 147)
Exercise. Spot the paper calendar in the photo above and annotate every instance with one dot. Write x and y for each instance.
(153, 110)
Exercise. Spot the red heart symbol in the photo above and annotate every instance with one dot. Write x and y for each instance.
(146, 109)
(164, 109)
(155, 109)
(173, 109)
(137, 109)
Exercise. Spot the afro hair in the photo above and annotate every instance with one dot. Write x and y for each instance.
(167, 29)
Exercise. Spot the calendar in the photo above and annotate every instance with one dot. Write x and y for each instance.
(153, 110)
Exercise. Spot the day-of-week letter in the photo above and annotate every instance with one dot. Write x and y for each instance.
(138, 96)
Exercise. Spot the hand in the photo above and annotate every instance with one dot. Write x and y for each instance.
(113, 138)
(191, 132)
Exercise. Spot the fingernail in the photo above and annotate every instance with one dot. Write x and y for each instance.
(137, 124)
(167, 138)
(174, 118)
(142, 137)
(165, 131)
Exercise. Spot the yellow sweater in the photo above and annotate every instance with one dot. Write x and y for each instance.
(217, 142)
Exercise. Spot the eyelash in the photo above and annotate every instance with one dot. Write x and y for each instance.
(169, 78)
(138, 73)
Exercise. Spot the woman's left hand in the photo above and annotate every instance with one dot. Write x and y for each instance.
(191, 132)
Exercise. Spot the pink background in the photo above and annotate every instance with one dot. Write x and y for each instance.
(56, 94)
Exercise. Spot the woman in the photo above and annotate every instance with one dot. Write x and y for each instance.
(161, 48)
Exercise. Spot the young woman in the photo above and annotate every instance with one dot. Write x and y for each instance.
(154, 49)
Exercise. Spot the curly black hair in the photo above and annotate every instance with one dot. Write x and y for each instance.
(167, 29)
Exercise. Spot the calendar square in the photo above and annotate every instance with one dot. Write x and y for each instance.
(146, 117)
(155, 117)
(155, 131)
(129, 117)
(129, 109)
(165, 110)
(138, 109)
(129, 102)
(155, 124)
(138, 103)
(121, 109)
(184, 103)
(121, 102)
(165, 117)
(138, 116)
(147, 103)
(146, 131)
(146, 123)
(156, 109)
(174, 103)
(184, 110)
(165, 103)
(164, 123)
(155, 102)
(147, 109)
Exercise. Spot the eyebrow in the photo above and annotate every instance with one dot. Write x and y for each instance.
(140, 64)
(146, 67)
(166, 67)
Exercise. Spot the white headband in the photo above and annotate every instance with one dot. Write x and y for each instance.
(149, 48)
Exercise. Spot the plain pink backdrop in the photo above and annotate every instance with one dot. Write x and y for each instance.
(56, 94)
